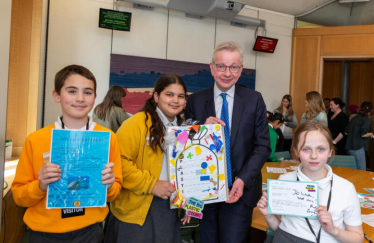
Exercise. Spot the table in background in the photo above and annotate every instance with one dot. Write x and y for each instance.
(360, 179)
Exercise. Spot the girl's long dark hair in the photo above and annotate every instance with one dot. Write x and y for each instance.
(156, 131)
(112, 98)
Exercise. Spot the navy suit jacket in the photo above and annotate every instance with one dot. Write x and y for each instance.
(250, 142)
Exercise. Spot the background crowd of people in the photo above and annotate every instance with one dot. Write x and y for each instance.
(350, 134)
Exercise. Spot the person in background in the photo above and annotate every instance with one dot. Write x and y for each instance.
(275, 121)
(354, 110)
(356, 144)
(315, 110)
(337, 124)
(110, 113)
(290, 120)
(280, 141)
(341, 220)
(141, 213)
(326, 102)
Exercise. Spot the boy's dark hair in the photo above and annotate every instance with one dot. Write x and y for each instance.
(269, 115)
(326, 99)
(64, 73)
(276, 116)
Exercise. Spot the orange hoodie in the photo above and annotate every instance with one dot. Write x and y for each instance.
(26, 190)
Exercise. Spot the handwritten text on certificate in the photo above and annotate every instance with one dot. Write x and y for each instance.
(294, 198)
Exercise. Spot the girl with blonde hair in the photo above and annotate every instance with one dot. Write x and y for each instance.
(315, 110)
(338, 214)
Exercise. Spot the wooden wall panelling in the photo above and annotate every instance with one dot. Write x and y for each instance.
(331, 81)
(35, 40)
(340, 30)
(343, 45)
(361, 82)
(23, 70)
(304, 70)
(355, 84)
(19, 66)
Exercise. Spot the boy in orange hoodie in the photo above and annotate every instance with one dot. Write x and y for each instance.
(75, 90)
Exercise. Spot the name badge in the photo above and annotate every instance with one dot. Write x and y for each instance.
(72, 212)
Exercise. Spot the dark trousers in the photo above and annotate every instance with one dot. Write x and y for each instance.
(226, 223)
(90, 234)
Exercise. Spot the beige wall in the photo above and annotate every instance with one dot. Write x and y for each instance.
(161, 34)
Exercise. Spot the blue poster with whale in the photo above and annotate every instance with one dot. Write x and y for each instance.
(82, 156)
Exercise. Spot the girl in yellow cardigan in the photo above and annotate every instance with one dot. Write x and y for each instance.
(141, 213)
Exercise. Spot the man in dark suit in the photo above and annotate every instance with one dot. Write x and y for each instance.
(243, 113)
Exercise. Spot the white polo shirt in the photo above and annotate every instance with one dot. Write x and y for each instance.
(344, 206)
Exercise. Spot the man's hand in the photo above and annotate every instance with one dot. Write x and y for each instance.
(214, 120)
(236, 191)
(47, 174)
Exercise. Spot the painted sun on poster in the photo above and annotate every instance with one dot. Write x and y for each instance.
(197, 163)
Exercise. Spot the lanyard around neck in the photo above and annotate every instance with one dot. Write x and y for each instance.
(63, 125)
(318, 237)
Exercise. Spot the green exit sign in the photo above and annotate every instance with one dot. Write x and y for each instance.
(116, 20)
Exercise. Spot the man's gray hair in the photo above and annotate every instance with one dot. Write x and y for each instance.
(228, 46)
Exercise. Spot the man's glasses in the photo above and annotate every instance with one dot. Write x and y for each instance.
(222, 68)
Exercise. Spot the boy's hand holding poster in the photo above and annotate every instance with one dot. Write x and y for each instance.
(197, 164)
(294, 198)
(82, 156)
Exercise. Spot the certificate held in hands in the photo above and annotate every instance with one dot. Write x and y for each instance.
(293, 198)
(81, 156)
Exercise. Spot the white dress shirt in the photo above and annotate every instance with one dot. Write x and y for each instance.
(218, 100)
(164, 169)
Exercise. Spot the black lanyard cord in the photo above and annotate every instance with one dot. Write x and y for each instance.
(318, 238)
(63, 125)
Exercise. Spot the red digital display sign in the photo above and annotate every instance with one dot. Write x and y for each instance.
(265, 44)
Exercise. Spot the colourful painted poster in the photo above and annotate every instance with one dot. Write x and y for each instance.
(138, 76)
(197, 163)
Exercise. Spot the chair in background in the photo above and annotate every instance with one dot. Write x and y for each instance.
(283, 154)
(345, 161)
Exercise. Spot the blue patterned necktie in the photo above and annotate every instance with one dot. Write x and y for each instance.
(225, 119)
